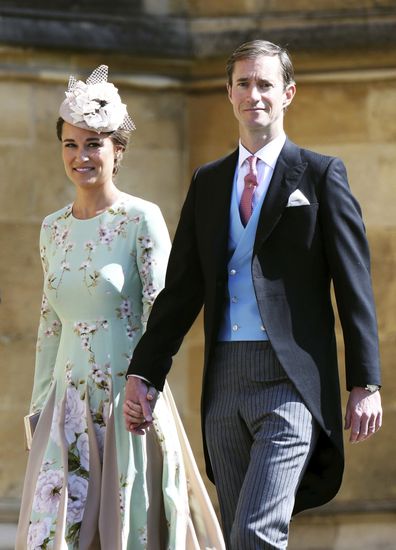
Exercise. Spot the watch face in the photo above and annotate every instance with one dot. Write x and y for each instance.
(371, 388)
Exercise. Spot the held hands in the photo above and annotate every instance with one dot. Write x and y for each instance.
(138, 405)
(363, 414)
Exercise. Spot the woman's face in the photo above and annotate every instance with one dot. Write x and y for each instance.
(88, 157)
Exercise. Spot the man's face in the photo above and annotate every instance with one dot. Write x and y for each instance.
(258, 94)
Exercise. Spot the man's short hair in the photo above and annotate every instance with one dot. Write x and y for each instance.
(256, 48)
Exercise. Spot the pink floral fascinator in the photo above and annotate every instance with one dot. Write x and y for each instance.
(95, 104)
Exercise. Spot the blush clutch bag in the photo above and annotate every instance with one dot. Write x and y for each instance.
(30, 421)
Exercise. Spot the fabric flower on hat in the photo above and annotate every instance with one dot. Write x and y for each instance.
(95, 105)
(98, 105)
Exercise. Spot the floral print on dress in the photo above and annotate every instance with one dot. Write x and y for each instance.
(143, 536)
(90, 279)
(39, 534)
(123, 485)
(107, 231)
(76, 435)
(53, 330)
(147, 265)
(50, 327)
(48, 490)
(86, 332)
(124, 311)
(53, 281)
(46, 502)
(77, 495)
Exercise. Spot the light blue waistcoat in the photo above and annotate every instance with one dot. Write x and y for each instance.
(241, 316)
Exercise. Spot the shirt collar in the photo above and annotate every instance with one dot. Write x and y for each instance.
(268, 154)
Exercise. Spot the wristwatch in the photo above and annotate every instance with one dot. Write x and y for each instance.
(371, 387)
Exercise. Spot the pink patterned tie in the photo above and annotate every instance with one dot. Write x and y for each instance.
(245, 206)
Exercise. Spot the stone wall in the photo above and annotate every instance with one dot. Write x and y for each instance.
(192, 29)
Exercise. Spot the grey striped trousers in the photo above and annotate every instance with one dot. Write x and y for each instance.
(260, 435)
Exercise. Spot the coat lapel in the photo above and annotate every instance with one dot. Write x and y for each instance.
(285, 179)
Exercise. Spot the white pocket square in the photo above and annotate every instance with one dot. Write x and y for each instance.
(297, 199)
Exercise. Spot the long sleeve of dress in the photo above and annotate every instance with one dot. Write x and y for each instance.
(49, 333)
(153, 247)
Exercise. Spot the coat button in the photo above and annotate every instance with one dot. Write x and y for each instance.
(235, 328)
(233, 272)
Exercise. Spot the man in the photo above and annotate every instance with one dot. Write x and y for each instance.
(262, 234)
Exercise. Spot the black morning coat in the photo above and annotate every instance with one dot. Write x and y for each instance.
(298, 251)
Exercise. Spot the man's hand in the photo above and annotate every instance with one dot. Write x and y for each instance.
(363, 414)
(139, 402)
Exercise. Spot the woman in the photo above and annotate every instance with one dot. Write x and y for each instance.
(89, 483)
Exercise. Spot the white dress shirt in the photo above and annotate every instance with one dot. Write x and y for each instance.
(267, 157)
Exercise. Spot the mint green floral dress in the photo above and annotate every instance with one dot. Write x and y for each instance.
(89, 483)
